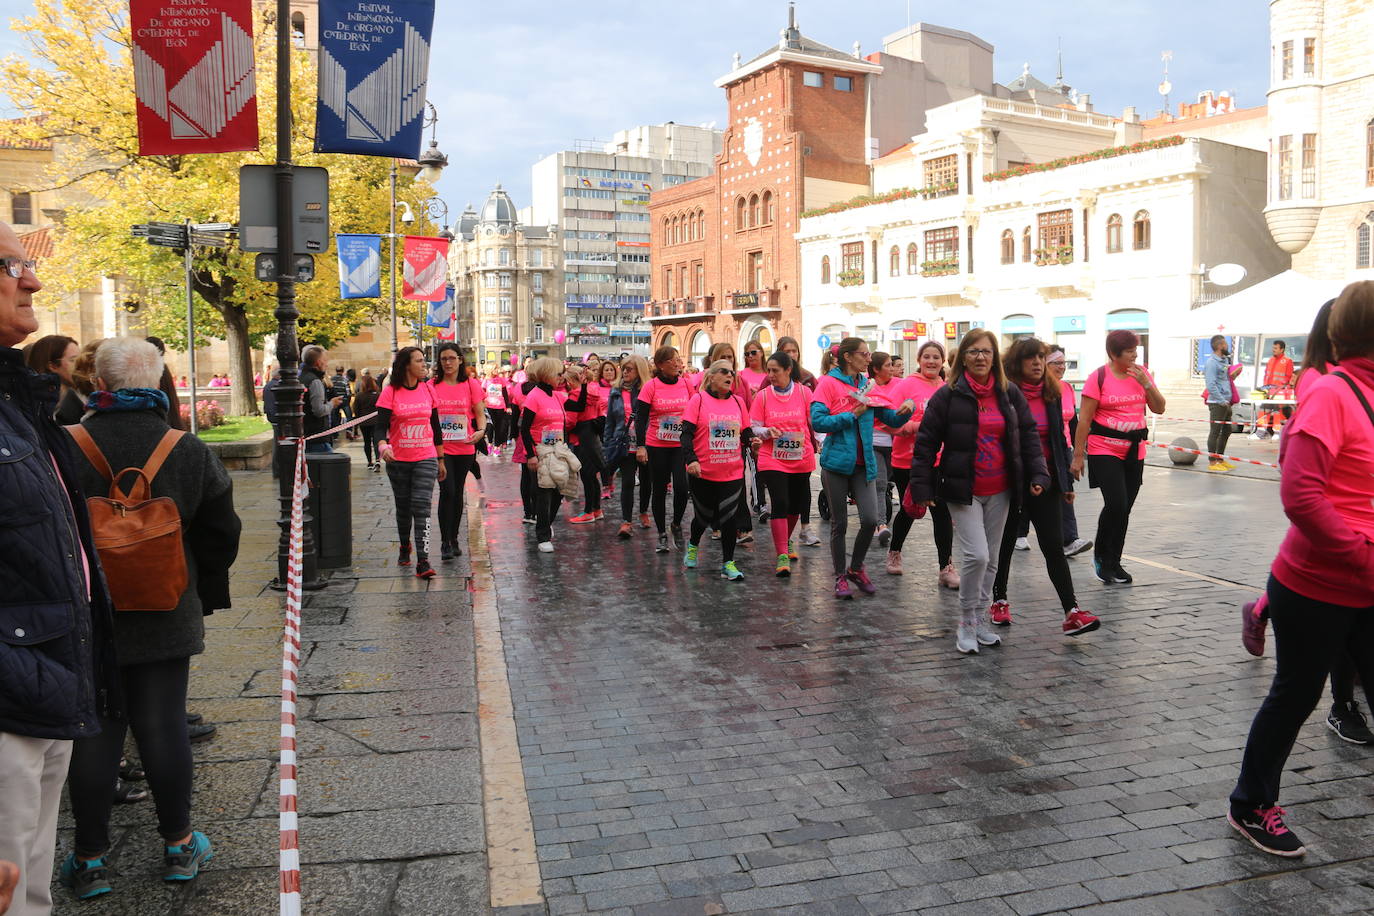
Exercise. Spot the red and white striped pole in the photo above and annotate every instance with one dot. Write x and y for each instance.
(290, 859)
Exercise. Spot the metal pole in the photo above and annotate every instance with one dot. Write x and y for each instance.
(289, 392)
(395, 342)
(191, 328)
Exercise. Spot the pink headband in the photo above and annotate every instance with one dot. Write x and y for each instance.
(835, 349)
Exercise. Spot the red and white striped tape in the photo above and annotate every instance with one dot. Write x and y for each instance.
(1195, 420)
(1214, 455)
(290, 858)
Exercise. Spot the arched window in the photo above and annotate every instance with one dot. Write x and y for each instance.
(755, 214)
(1140, 230)
(1026, 244)
(1008, 247)
(894, 261)
(825, 268)
(1114, 233)
(701, 224)
(1364, 254)
(1369, 154)
(298, 29)
(677, 231)
(913, 262)
(667, 232)
(669, 340)
(768, 206)
(739, 215)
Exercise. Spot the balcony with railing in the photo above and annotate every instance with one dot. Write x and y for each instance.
(763, 300)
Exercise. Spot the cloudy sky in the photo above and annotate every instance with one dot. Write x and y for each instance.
(516, 81)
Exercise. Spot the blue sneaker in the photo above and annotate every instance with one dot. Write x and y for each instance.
(86, 879)
(690, 560)
(182, 863)
(731, 571)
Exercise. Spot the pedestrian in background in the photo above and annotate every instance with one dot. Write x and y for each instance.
(658, 435)
(1217, 375)
(58, 688)
(781, 421)
(806, 534)
(1057, 364)
(409, 445)
(125, 428)
(880, 370)
(1111, 441)
(364, 403)
(1321, 585)
(319, 404)
(72, 407)
(619, 443)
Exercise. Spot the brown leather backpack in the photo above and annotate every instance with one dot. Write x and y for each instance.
(137, 535)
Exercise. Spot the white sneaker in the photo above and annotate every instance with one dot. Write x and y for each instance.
(1077, 546)
(984, 632)
(966, 636)
(546, 546)
(808, 537)
(1022, 544)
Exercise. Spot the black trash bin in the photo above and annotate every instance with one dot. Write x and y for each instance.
(330, 505)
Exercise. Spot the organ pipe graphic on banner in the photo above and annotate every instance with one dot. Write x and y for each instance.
(426, 268)
(360, 266)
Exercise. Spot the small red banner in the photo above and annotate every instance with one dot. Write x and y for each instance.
(426, 268)
(194, 76)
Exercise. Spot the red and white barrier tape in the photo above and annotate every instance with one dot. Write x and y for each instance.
(1213, 455)
(290, 859)
(1195, 420)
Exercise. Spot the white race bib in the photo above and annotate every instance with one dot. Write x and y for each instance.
(552, 436)
(724, 436)
(789, 447)
(669, 428)
(454, 427)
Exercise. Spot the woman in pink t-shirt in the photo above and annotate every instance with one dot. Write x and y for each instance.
(919, 387)
(880, 370)
(544, 425)
(743, 391)
(658, 434)
(410, 439)
(806, 535)
(715, 438)
(462, 424)
(608, 374)
(754, 374)
(1111, 436)
(1056, 364)
(781, 420)
(1321, 585)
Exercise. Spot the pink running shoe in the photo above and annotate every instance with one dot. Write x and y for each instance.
(842, 589)
(1253, 618)
(860, 578)
(1000, 613)
(894, 563)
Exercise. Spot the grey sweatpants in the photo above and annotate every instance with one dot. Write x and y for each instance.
(978, 532)
(412, 485)
(838, 488)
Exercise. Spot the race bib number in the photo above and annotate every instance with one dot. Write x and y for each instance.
(552, 435)
(724, 436)
(789, 447)
(670, 429)
(454, 427)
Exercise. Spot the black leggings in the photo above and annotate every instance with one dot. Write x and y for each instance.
(412, 486)
(1119, 480)
(591, 488)
(939, 517)
(155, 703)
(666, 463)
(369, 443)
(500, 421)
(528, 485)
(1043, 512)
(546, 503)
(629, 469)
(787, 491)
(716, 505)
(456, 469)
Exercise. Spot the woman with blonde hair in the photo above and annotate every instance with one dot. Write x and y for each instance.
(544, 422)
(658, 437)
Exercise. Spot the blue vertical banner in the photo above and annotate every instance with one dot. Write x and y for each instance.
(374, 67)
(360, 266)
(439, 314)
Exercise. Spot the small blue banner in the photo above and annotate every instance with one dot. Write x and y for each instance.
(440, 313)
(374, 68)
(360, 266)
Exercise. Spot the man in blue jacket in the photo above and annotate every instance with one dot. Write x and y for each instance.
(1217, 373)
(56, 654)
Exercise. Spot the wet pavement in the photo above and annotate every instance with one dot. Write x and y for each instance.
(696, 746)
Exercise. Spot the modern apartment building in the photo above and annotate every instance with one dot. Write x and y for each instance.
(598, 197)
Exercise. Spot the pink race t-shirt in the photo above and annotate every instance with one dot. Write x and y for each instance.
(719, 424)
(990, 460)
(458, 405)
(753, 378)
(1120, 405)
(919, 390)
(549, 419)
(791, 413)
(495, 390)
(666, 406)
(410, 435)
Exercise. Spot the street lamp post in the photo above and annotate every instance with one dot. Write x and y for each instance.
(432, 163)
(436, 209)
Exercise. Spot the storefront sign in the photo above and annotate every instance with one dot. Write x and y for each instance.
(1069, 324)
(746, 300)
(951, 330)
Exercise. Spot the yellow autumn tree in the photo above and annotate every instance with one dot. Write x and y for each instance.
(75, 87)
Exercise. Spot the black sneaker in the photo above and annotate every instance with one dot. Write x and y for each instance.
(663, 543)
(403, 556)
(1102, 576)
(200, 732)
(445, 552)
(1265, 828)
(1348, 723)
(1121, 577)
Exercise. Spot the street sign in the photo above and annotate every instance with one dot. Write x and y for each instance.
(209, 239)
(265, 268)
(258, 208)
(823, 341)
(211, 227)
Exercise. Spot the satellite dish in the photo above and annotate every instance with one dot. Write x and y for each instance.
(1226, 274)
(1166, 87)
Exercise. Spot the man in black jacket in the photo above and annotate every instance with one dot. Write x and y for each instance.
(56, 654)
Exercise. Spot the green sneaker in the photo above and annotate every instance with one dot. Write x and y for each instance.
(86, 879)
(182, 863)
(783, 569)
(690, 560)
(731, 571)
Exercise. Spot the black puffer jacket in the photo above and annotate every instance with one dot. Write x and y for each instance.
(951, 422)
(1057, 462)
(57, 665)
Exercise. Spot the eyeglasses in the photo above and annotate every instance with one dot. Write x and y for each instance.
(1057, 363)
(753, 352)
(978, 354)
(15, 267)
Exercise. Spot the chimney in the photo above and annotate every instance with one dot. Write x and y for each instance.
(1129, 115)
(1085, 102)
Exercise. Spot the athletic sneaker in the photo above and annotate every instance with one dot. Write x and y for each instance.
(1022, 544)
(626, 530)
(808, 537)
(842, 589)
(894, 563)
(1252, 626)
(546, 546)
(182, 863)
(792, 550)
(1348, 723)
(715, 535)
(1265, 828)
(1217, 466)
(423, 570)
(584, 519)
(731, 571)
(1079, 621)
(86, 879)
(949, 576)
(690, 560)
(783, 568)
(1121, 577)
(1102, 575)
(663, 543)
(1000, 612)
(528, 520)
(403, 558)
(644, 520)
(445, 552)
(860, 578)
(884, 535)
(746, 537)
(1076, 546)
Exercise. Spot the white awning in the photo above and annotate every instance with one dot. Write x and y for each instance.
(1286, 303)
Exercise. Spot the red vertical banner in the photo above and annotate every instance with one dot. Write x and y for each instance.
(194, 76)
(426, 268)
